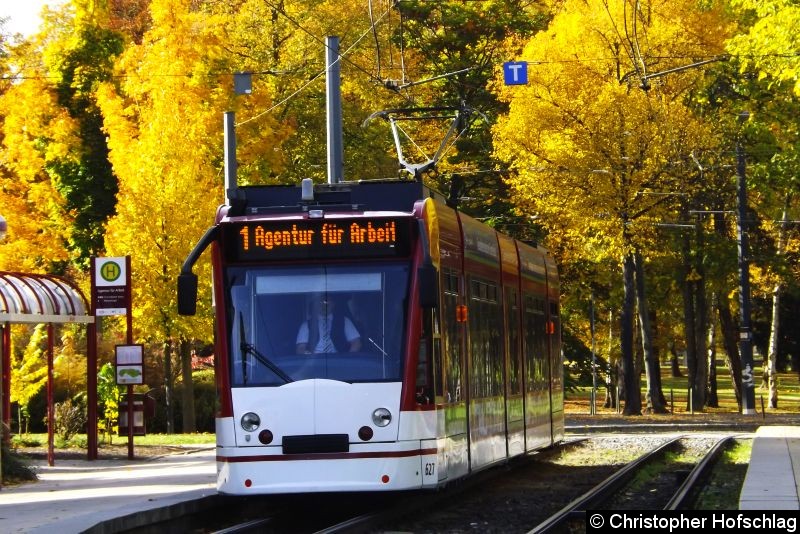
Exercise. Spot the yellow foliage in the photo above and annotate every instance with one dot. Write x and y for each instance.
(586, 143)
(70, 358)
(35, 133)
(164, 125)
(769, 45)
(30, 368)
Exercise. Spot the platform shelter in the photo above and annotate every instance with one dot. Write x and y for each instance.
(36, 299)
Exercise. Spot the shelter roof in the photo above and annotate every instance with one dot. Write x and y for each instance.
(41, 298)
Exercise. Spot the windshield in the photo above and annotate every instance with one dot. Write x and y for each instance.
(342, 322)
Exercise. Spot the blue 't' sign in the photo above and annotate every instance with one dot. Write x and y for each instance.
(515, 72)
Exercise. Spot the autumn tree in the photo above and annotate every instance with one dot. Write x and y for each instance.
(29, 367)
(163, 118)
(596, 131)
(282, 45)
(768, 46)
(35, 135)
(769, 43)
(456, 47)
(78, 57)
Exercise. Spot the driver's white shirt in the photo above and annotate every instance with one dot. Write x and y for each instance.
(325, 343)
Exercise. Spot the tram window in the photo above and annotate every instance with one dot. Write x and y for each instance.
(486, 342)
(425, 367)
(555, 345)
(452, 339)
(512, 319)
(451, 283)
(534, 340)
(436, 345)
(273, 309)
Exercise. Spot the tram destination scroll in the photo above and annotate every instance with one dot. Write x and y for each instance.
(318, 239)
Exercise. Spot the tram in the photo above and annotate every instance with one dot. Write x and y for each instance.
(371, 338)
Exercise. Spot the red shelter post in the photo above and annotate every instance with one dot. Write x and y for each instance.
(51, 415)
(6, 366)
(91, 387)
(129, 338)
(91, 371)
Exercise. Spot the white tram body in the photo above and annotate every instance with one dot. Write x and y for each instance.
(456, 366)
(393, 459)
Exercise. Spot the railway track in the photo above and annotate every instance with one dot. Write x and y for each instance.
(509, 498)
(609, 494)
(383, 510)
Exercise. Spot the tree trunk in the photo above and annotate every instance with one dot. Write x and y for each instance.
(730, 340)
(713, 400)
(189, 424)
(674, 364)
(168, 387)
(772, 354)
(654, 396)
(612, 375)
(633, 400)
(700, 384)
(730, 333)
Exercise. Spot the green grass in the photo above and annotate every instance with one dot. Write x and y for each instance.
(725, 484)
(79, 441)
(675, 391)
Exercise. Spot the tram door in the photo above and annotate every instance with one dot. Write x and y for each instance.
(537, 373)
(556, 372)
(487, 419)
(515, 410)
(455, 406)
(439, 390)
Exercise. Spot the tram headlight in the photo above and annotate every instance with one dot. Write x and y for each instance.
(381, 417)
(250, 421)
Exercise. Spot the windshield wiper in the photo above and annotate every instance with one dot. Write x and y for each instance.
(246, 349)
(250, 349)
(385, 355)
(377, 346)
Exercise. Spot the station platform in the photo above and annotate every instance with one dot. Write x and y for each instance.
(773, 475)
(104, 496)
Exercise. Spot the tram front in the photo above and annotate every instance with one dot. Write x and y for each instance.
(313, 314)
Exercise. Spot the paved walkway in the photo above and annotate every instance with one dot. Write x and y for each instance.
(773, 476)
(76, 495)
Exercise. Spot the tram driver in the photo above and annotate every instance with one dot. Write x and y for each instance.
(327, 329)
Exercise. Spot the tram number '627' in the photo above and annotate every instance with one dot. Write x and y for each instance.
(430, 469)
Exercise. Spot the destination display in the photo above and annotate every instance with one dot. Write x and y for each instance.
(318, 238)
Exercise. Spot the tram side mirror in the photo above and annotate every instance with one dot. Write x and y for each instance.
(187, 294)
(428, 285)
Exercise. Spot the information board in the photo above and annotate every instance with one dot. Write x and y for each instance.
(129, 361)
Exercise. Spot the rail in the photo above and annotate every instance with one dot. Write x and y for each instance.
(698, 475)
(602, 491)
(412, 504)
